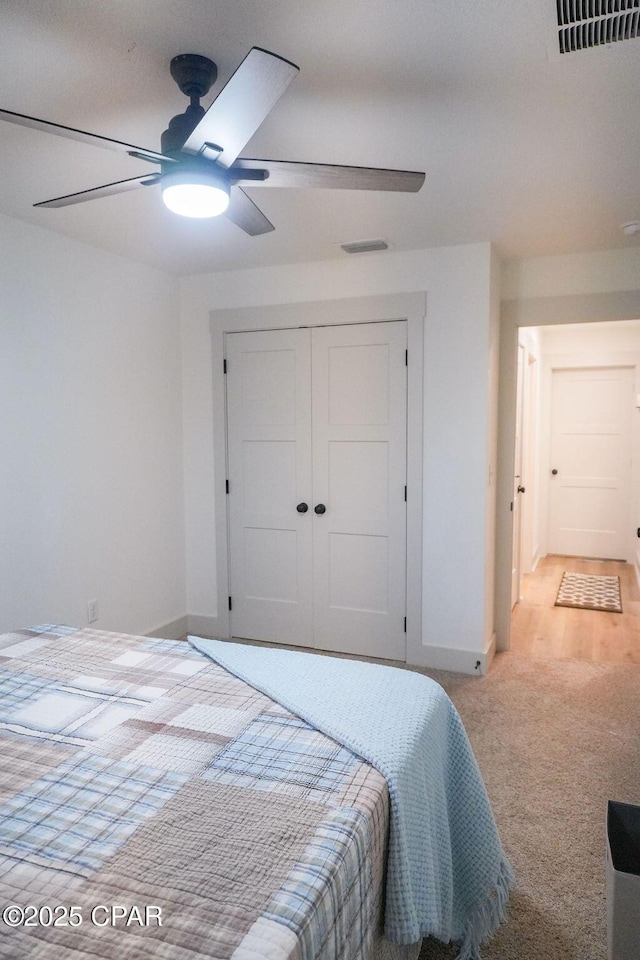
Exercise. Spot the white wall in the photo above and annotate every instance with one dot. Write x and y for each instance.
(573, 274)
(459, 391)
(91, 483)
(91, 391)
(583, 342)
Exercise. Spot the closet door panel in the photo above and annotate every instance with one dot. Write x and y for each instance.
(269, 463)
(359, 476)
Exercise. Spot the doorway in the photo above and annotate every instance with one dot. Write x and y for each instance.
(584, 441)
(525, 480)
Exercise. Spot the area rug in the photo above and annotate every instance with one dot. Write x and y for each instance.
(589, 592)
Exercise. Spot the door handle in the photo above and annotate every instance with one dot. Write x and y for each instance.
(521, 490)
(302, 507)
(554, 471)
(320, 509)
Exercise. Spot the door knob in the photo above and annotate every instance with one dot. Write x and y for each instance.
(554, 472)
(302, 507)
(320, 508)
(521, 490)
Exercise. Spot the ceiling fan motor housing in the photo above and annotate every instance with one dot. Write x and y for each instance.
(198, 166)
(195, 75)
(180, 129)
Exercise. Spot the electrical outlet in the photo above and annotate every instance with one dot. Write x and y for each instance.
(92, 611)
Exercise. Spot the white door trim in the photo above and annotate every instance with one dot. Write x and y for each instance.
(410, 307)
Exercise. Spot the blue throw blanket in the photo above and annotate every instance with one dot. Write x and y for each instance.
(447, 876)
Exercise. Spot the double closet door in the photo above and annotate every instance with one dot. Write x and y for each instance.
(316, 447)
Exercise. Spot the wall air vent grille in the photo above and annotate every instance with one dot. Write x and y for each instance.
(584, 24)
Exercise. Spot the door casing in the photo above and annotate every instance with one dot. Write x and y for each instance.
(410, 307)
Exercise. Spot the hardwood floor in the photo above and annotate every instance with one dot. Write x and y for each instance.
(540, 629)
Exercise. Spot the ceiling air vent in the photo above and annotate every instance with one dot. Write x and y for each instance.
(584, 24)
(367, 246)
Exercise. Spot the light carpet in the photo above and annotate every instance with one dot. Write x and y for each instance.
(555, 740)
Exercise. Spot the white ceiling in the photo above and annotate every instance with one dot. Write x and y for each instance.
(535, 152)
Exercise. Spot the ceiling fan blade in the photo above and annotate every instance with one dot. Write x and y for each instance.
(92, 138)
(288, 173)
(246, 215)
(109, 189)
(242, 104)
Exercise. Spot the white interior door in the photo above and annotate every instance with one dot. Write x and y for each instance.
(529, 547)
(516, 546)
(318, 418)
(359, 471)
(269, 465)
(590, 478)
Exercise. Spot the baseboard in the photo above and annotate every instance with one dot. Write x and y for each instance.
(436, 658)
(203, 626)
(489, 653)
(458, 661)
(174, 630)
(196, 624)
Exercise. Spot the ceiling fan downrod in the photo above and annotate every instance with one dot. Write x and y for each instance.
(195, 75)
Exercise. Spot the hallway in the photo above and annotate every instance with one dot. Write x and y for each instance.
(540, 629)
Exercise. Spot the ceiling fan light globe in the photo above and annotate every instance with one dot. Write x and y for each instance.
(195, 194)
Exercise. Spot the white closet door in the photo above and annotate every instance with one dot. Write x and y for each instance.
(359, 474)
(269, 462)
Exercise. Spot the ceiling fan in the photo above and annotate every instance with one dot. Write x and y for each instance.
(201, 171)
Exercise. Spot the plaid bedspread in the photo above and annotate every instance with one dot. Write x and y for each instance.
(153, 805)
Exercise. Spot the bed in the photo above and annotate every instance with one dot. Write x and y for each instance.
(154, 804)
